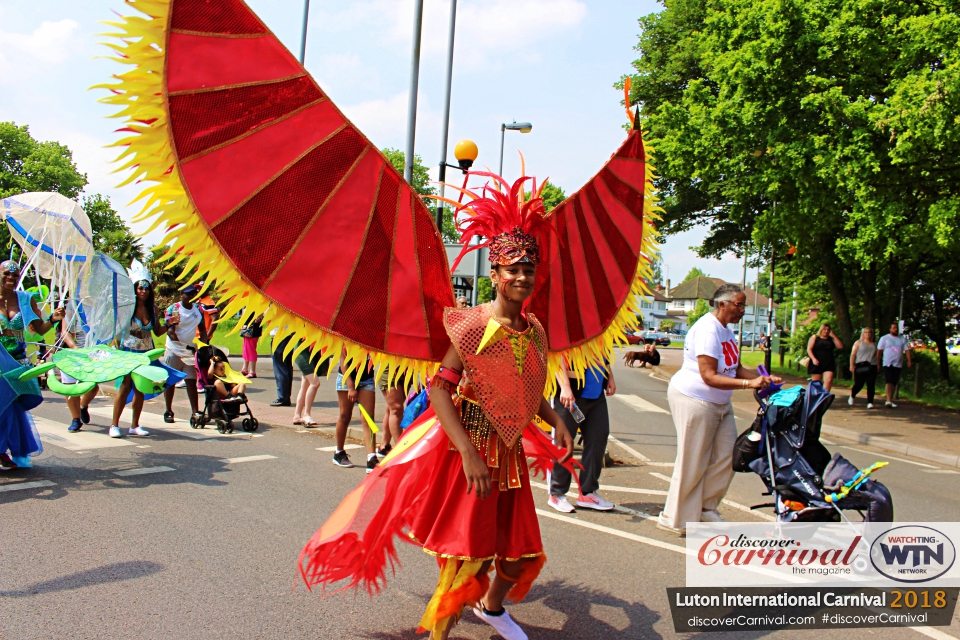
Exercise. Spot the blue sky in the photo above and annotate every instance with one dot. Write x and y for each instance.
(549, 62)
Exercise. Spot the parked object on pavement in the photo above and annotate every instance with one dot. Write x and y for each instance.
(224, 399)
(783, 447)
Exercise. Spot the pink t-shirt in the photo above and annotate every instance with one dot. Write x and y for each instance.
(707, 338)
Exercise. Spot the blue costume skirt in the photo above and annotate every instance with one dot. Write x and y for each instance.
(18, 435)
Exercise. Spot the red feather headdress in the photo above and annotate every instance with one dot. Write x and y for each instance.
(511, 222)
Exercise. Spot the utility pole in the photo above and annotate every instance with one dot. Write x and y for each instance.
(303, 34)
(743, 285)
(414, 84)
(770, 323)
(793, 315)
(444, 136)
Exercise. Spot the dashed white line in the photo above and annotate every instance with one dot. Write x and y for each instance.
(939, 471)
(614, 532)
(346, 447)
(639, 404)
(247, 459)
(659, 475)
(142, 471)
(884, 455)
(745, 508)
(636, 454)
(16, 486)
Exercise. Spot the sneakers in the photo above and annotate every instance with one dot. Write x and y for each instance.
(383, 451)
(372, 462)
(279, 402)
(75, 425)
(711, 516)
(341, 459)
(181, 385)
(561, 504)
(114, 432)
(891, 405)
(84, 415)
(869, 405)
(502, 622)
(168, 417)
(594, 501)
(138, 431)
(663, 526)
(850, 401)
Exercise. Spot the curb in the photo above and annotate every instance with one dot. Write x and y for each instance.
(892, 446)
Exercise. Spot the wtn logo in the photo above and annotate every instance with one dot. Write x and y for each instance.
(899, 554)
(912, 553)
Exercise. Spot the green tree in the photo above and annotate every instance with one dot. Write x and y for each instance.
(825, 125)
(667, 325)
(552, 195)
(696, 272)
(656, 272)
(110, 234)
(484, 290)
(421, 184)
(28, 165)
(700, 309)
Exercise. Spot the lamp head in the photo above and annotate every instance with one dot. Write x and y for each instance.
(522, 127)
(465, 152)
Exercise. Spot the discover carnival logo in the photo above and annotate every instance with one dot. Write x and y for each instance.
(759, 551)
(912, 553)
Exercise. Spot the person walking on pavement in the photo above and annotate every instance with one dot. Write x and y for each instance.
(184, 319)
(700, 400)
(589, 399)
(863, 366)
(251, 336)
(72, 336)
(282, 371)
(820, 348)
(311, 369)
(890, 352)
(350, 392)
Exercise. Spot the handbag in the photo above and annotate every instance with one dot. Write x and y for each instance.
(805, 361)
(862, 368)
(253, 330)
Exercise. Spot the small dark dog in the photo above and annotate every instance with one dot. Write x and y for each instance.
(648, 356)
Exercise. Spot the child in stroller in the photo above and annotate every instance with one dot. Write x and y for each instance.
(224, 397)
(808, 484)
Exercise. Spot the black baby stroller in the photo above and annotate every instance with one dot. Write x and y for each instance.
(220, 411)
(807, 483)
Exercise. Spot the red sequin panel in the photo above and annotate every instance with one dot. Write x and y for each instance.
(204, 120)
(293, 198)
(363, 317)
(229, 17)
(435, 276)
(509, 399)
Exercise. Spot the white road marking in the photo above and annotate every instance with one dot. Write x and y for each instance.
(142, 471)
(659, 475)
(614, 532)
(346, 447)
(825, 441)
(16, 486)
(636, 454)
(745, 508)
(939, 471)
(652, 492)
(247, 459)
(154, 421)
(639, 404)
(143, 446)
(57, 434)
(884, 455)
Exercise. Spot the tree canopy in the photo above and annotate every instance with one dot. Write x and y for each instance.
(828, 126)
(696, 272)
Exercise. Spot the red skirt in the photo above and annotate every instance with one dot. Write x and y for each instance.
(454, 524)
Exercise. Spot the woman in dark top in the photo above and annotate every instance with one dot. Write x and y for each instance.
(820, 348)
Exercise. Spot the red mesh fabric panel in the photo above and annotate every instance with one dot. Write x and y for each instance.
(294, 197)
(632, 147)
(231, 17)
(571, 301)
(602, 295)
(626, 259)
(435, 276)
(363, 312)
(210, 118)
(539, 301)
(628, 196)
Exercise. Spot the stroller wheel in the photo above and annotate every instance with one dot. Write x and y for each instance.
(194, 423)
(254, 424)
(246, 425)
(222, 426)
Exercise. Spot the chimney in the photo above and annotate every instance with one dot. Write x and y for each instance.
(668, 287)
(659, 288)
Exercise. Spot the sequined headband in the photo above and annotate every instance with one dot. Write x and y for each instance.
(9, 266)
(512, 247)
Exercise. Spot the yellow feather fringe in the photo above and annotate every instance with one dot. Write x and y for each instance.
(147, 152)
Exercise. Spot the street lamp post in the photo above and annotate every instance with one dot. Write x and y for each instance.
(446, 112)
(414, 84)
(465, 152)
(522, 127)
(303, 35)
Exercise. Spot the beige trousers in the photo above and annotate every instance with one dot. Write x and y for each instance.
(706, 433)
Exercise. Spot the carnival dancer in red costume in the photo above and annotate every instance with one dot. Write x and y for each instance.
(267, 191)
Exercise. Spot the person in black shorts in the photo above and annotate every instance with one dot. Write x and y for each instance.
(308, 361)
(821, 349)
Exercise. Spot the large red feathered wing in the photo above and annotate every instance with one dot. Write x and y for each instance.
(308, 215)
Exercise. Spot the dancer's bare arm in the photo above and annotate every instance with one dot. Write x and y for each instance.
(474, 467)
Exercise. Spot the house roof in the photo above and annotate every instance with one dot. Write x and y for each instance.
(703, 289)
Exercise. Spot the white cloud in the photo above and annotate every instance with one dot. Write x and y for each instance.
(50, 43)
(338, 72)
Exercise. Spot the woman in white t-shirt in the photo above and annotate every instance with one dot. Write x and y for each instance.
(699, 396)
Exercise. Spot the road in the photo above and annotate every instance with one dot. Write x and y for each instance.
(201, 539)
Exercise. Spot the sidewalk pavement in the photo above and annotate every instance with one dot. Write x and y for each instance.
(911, 429)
